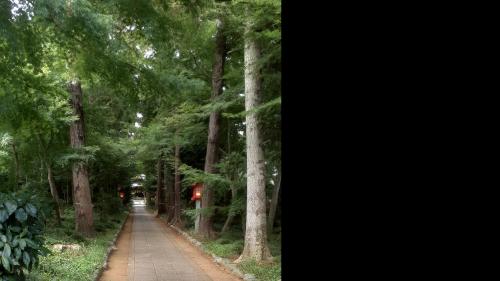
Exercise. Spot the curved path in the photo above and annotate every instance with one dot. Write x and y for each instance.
(148, 250)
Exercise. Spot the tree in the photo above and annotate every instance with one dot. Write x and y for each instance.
(8, 140)
(177, 220)
(255, 230)
(187, 68)
(169, 182)
(84, 221)
(44, 151)
(160, 187)
(212, 155)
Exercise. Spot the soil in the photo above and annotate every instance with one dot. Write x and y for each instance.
(118, 260)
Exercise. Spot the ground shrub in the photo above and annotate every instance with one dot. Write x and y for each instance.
(21, 240)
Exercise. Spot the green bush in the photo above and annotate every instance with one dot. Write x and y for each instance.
(21, 241)
(128, 195)
(108, 204)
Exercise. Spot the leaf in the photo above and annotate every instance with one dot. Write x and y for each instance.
(3, 238)
(11, 207)
(31, 244)
(3, 215)
(6, 250)
(17, 253)
(15, 229)
(26, 258)
(6, 263)
(25, 231)
(31, 209)
(21, 215)
(22, 244)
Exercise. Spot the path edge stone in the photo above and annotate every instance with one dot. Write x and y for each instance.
(226, 263)
(112, 245)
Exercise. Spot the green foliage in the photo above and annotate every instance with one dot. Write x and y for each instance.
(230, 245)
(261, 108)
(108, 204)
(76, 265)
(263, 272)
(84, 154)
(237, 206)
(191, 214)
(192, 176)
(21, 241)
(225, 248)
(153, 57)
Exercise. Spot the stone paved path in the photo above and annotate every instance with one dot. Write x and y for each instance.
(157, 253)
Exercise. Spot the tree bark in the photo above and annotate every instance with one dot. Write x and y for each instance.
(147, 196)
(177, 189)
(212, 155)
(274, 203)
(160, 192)
(169, 180)
(81, 188)
(256, 228)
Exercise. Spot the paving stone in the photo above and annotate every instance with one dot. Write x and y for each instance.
(151, 253)
(155, 257)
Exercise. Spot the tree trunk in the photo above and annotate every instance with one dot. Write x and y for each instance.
(212, 156)
(256, 229)
(16, 160)
(160, 192)
(230, 216)
(53, 191)
(274, 203)
(169, 180)
(177, 189)
(81, 188)
(147, 196)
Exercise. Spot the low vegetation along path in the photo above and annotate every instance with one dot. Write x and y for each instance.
(148, 250)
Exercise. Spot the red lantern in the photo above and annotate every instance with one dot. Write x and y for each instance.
(197, 189)
(122, 194)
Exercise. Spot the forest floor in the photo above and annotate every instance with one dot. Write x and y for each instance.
(230, 245)
(156, 252)
(76, 264)
(117, 269)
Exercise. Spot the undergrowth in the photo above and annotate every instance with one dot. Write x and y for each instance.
(69, 265)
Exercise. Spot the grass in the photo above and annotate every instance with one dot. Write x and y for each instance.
(230, 245)
(267, 272)
(84, 263)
